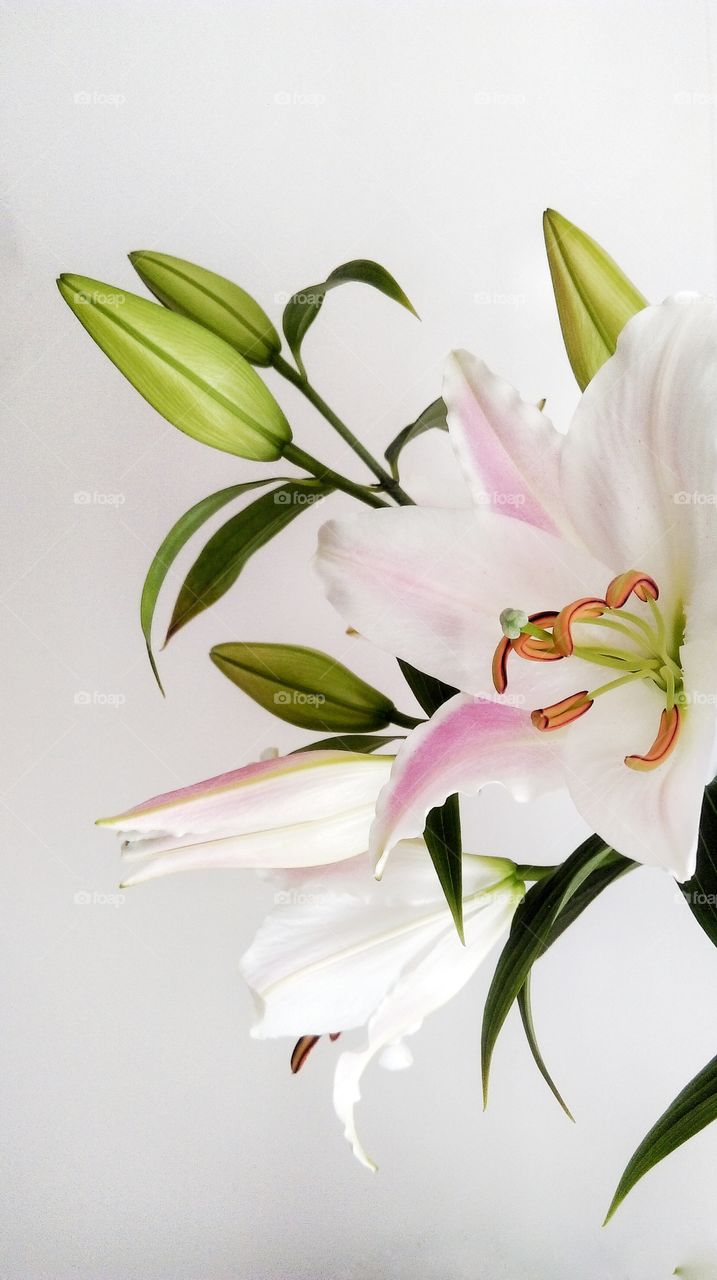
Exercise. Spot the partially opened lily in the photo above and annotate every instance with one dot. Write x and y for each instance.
(575, 606)
(300, 810)
(341, 951)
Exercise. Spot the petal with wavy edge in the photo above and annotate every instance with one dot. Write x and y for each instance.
(336, 942)
(440, 974)
(468, 743)
(638, 472)
(509, 450)
(429, 585)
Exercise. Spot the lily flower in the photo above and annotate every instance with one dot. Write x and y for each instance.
(300, 810)
(575, 606)
(340, 951)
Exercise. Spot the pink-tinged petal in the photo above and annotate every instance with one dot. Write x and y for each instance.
(650, 816)
(467, 744)
(638, 473)
(424, 987)
(300, 810)
(508, 449)
(429, 585)
(291, 789)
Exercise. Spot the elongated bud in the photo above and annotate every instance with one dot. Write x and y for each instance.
(193, 378)
(212, 301)
(595, 299)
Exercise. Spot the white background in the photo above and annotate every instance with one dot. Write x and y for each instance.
(143, 1133)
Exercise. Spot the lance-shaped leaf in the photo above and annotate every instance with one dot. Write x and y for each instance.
(701, 891)
(429, 692)
(692, 1109)
(304, 686)
(432, 419)
(443, 838)
(303, 307)
(178, 536)
(218, 566)
(529, 936)
(193, 378)
(587, 891)
(212, 301)
(363, 743)
(595, 299)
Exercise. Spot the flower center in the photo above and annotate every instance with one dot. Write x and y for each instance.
(634, 648)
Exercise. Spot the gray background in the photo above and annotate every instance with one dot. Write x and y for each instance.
(143, 1133)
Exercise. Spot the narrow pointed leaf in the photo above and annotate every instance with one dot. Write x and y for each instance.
(193, 378)
(178, 536)
(429, 692)
(529, 935)
(701, 891)
(303, 307)
(690, 1112)
(432, 419)
(526, 1015)
(218, 566)
(594, 297)
(212, 301)
(443, 837)
(359, 742)
(304, 687)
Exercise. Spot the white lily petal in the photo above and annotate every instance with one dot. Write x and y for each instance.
(652, 817)
(306, 844)
(639, 461)
(508, 449)
(430, 585)
(439, 976)
(468, 743)
(337, 941)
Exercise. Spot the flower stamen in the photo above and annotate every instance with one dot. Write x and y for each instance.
(664, 744)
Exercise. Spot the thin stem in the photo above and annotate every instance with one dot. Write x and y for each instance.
(525, 871)
(407, 722)
(302, 384)
(302, 459)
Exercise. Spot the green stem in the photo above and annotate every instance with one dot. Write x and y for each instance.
(302, 459)
(303, 385)
(407, 722)
(524, 871)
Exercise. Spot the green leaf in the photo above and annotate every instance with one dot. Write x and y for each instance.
(178, 536)
(442, 835)
(526, 1015)
(598, 880)
(691, 1110)
(701, 891)
(432, 419)
(304, 686)
(193, 378)
(218, 566)
(303, 307)
(529, 937)
(429, 692)
(212, 301)
(365, 743)
(595, 299)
